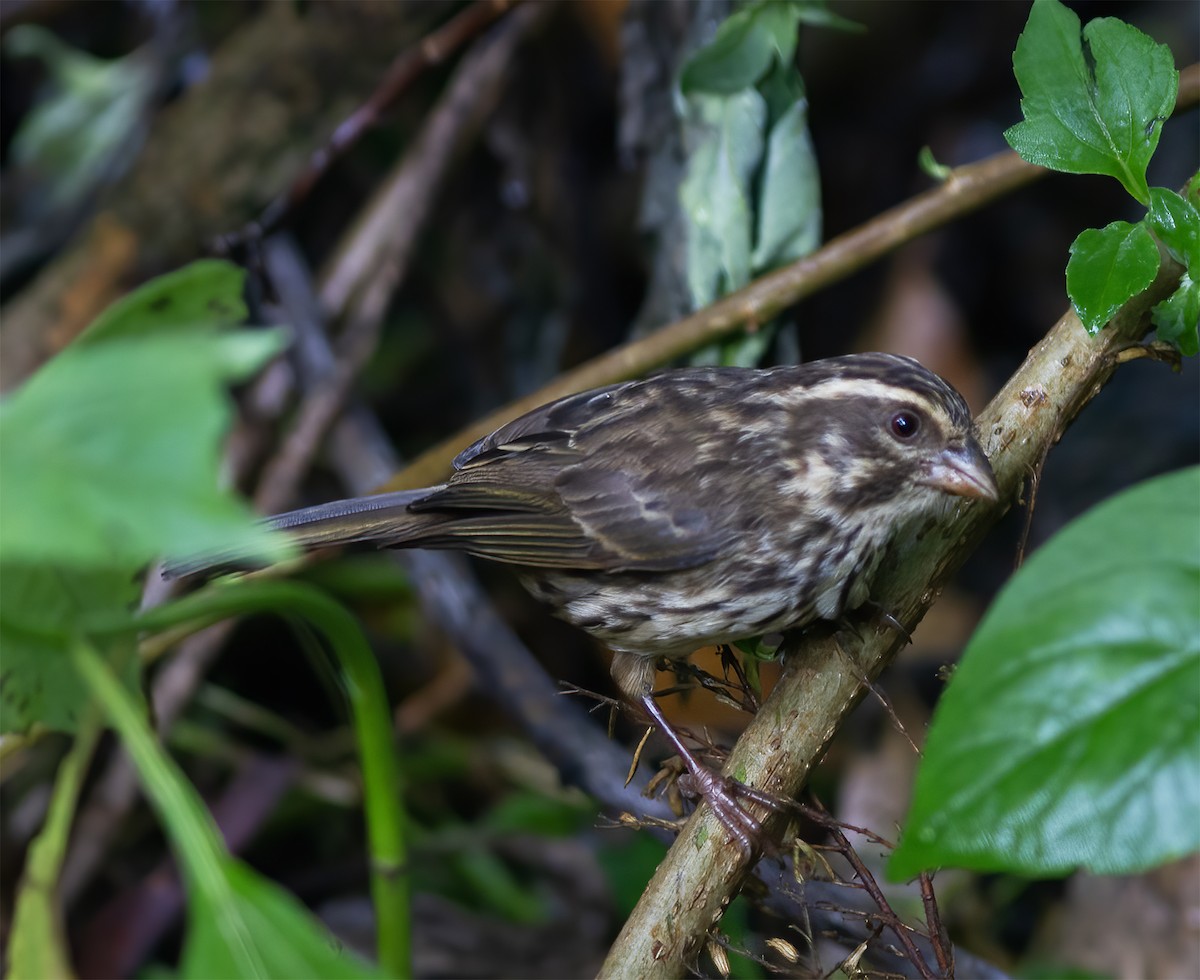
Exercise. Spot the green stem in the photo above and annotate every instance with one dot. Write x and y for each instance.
(37, 940)
(372, 725)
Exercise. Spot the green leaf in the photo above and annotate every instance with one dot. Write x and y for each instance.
(1098, 112)
(86, 119)
(253, 928)
(726, 151)
(41, 609)
(239, 924)
(1070, 734)
(111, 451)
(745, 46)
(203, 293)
(749, 42)
(1109, 266)
(789, 203)
(1177, 224)
(1177, 318)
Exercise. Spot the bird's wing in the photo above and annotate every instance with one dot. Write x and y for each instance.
(537, 512)
(548, 426)
(546, 490)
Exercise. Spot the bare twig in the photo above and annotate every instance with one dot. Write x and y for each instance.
(407, 67)
(379, 246)
(887, 914)
(933, 922)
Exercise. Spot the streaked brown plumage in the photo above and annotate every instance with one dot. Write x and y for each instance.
(698, 506)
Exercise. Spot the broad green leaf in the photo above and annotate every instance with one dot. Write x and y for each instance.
(1177, 318)
(1108, 266)
(111, 453)
(239, 924)
(1070, 733)
(1177, 224)
(1093, 112)
(725, 153)
(254, 928)
(789, 204)
(203, 293)
(41, 609)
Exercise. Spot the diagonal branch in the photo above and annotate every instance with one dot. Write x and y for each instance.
(966, 189)
(822, 680)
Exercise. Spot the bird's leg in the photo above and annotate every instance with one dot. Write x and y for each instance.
(634, 675)
(720, 791)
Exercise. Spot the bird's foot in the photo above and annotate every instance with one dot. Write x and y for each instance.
(723, 794)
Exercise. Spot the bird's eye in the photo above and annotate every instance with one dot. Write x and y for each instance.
(905, 425)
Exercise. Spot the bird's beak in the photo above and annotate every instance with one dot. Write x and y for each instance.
(965, 472)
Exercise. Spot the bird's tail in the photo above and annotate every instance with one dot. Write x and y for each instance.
(380, 517)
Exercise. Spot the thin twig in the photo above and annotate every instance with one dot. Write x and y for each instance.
(886, 913)
(432, 50)
(933, 923)
(379, 246)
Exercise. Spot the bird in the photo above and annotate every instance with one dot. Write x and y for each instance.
(694, 507)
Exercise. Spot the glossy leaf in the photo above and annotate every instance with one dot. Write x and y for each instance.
(1070, 734)
(1109, 266)
(1177, 318)
(1177, 224)
(1093, 112)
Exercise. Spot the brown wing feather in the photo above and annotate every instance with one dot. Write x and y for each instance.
(574, 517)
(547, 490)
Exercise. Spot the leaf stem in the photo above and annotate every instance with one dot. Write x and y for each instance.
(363, 686)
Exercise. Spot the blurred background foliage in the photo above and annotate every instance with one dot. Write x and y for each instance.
(134, 134)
